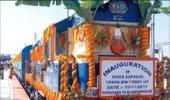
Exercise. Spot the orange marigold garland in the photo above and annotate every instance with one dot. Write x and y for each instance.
(64, 76)
(75, 86)
(160, 83)
(145, 40)
(88, 29)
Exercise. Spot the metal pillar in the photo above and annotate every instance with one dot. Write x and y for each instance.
(35, 37)
(0, 39)
(153, 35)
(168, 80)
(169, 32)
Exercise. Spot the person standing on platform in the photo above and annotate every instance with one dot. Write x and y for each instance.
(11, 71)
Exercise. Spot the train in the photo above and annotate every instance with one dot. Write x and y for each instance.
(66, 63)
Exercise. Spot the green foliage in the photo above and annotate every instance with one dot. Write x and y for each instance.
(73, 4)
(165, 10)
(97, 3)
(88, 7)
(157, 4)
(88, 4)
(38, 2)
(147, 9)
(44, 2)
(29, 2)
(144, 6)
(56, 2)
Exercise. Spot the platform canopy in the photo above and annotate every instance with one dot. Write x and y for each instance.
(5, 57)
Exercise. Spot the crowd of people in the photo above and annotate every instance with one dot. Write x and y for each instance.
(6, 66)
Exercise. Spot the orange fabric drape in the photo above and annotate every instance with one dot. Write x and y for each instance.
(40, 53)
(53, 30)
(47, 34)
(43, 46)
(33, 56)
(36, 54)
(17, 58)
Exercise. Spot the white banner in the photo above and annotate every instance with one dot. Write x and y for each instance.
(126, 77)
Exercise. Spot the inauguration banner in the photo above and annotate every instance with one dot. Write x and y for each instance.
(126, 76)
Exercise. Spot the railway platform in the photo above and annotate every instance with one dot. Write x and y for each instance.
(11, 89)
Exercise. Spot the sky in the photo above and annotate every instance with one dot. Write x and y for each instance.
(19, 23)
